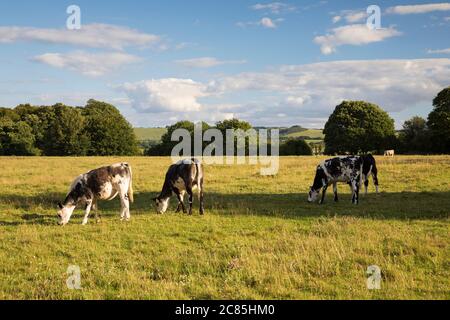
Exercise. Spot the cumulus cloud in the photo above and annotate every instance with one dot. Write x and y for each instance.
(351, 16)
(419, 8)
(356, 34)
(89, 64)
(295, 94)
(164, 95)
(206, 62)
(90, 35)
(439, 51)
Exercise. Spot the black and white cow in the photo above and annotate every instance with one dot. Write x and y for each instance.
(181, 177)
(348, 169)
(100, 184)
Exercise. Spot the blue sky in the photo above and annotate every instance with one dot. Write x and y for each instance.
(271, 63)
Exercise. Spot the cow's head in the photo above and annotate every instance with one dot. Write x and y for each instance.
(313, 194)
(64, 213)
(161, 204)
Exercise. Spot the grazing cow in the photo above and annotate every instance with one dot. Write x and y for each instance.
(389, 153)
(347, 169)
(181, 177)
(100, 184)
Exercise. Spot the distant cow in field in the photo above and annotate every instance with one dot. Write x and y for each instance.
(100, 184)
(181, 177)
(389, 153)
(347, 169)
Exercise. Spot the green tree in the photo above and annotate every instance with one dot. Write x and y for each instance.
(358, 126)
(16, 138)
(439, 122)
(235, 124)
(165, 147)
(295, 147)
(108, 131)
(414, 136)
(65, 131)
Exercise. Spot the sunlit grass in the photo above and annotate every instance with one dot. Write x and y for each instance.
(259, 239)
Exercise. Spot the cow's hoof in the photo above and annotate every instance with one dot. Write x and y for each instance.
(84, 223)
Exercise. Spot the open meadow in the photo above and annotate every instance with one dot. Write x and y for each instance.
(259, 239)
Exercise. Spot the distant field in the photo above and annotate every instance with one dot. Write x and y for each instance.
(259, 239)
(312, 133)
(149, 134)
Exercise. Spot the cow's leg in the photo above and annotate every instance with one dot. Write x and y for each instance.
(189, 192)
(366, 185)
(375, 178)
(87, 211)
(200, 197)
(324, 191)
(355, 192)
(95, 208)
(335, 192)
(124, 202)
(180, 196)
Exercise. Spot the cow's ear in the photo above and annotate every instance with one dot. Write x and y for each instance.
(60, 205)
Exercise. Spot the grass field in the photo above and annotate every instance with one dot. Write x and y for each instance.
(149, 134)
(259, 239)
(311, 133)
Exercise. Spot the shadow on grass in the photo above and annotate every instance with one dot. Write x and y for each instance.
(402, 205)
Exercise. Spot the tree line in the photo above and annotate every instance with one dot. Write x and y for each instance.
(97, 129)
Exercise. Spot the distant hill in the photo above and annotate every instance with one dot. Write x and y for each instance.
(149, 134)
(310, 135)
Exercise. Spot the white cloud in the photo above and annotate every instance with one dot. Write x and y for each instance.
(353, 17)
(439, 51)
(274, 7)
(305, 94)
(206, 62)
(350, 16)
(336, 19)
(90, 35)
(264, 22)
(419, 8)
(164, 95)
(268, 23)
(356, 34)
(89, 64)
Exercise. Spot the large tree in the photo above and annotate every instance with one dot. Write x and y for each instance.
(64, 133)
(414, 136)
(108, 131)
(16, 138)
(439, 122)
(165, 147)
(358, 126)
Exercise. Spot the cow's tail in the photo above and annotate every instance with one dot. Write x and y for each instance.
(130, 185)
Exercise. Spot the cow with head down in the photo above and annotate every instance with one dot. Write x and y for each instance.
(100, 184)
(181, 177)
(348, 169)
